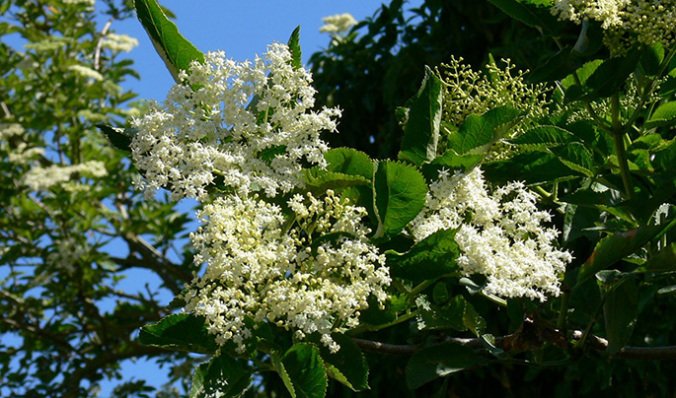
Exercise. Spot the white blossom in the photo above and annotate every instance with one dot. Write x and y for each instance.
(41, 178)
(247, 126)
(625, 22)
(262, 267)
(501, 235)
(337, 24)
(117, 42)
(86, 72)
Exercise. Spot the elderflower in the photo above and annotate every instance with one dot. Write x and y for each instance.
(501, 235)
(467, 91)
(337, 24)
(88, 3)
(248, 126)
(41, 178)
(261, 268)
(86, 72)
(625, 22)
(121, 43)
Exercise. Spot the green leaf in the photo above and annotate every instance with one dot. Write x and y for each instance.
(439, 361)
(421, 132)
(479, 131)
(651, 58)
(294, 47)
(305, 371)
(430, 258)
(531, 167)
(532, 16)
(399, 192)
(319, 181)
(620, 310)
(664, 115)
(184, 332)
(348, 366)
(545, 135)
(577, 157)
(174, 49)
(349, 161)
(615, 247)
(120, 138)
(663, 261)
(222, 376)
(609, 77)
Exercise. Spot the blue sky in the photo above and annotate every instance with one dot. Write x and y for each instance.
(242, 29)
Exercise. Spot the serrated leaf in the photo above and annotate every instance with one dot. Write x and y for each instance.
(349, 161)
(479, 131)
(222, 376)
(174, 49)
(663, 261)
(183, 332)
(530, 15)
(399, 192)
(283, 374)
(577, 157)
(439, 361)
(430, 258)
(664, 115)
(294, 47)
(531, 167)
(620, 309)
(544, 135)
(306, 371)
(421, 131)
(319, 180)
(120, 138)
(615, 247)
(347, 366)
(610, 76)
(651, 58)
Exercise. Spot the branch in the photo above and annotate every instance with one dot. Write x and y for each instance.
(663, 353)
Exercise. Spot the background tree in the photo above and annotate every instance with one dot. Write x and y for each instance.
(71, 222)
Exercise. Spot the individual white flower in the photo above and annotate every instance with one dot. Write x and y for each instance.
(248, 126)
(337, 24)
(501, 235)
(260, 268)
(41, 178)
(86, 72)
(117, 42)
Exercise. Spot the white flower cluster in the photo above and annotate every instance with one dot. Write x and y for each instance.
(625, 21)
(501, 234)
(117, 42)
(88, 3)
(86, 72)
(263, 269)
(248, 126)
(337, 24)
(41, 178)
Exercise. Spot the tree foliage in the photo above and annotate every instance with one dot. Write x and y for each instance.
(484, 297)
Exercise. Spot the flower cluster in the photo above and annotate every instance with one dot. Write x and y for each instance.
(625, 22)
(41, 178)
(246, 126)
(261, 268)
(467, 91)
(117, 42)
(501, 234)
(337, 24)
